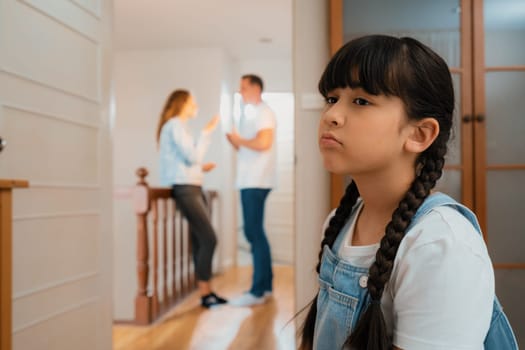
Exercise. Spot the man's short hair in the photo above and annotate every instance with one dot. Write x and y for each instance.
(254, 80)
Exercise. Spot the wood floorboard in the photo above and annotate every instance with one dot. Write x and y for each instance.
(190, 327)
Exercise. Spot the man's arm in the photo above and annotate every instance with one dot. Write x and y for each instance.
(261, 142)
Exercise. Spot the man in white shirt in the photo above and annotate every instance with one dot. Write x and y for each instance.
(256, 176)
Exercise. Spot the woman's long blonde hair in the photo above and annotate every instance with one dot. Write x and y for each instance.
(172, 108)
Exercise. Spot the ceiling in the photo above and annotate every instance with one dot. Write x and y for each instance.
(255, 29)
(245, 29)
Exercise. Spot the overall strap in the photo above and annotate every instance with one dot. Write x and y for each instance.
(439, 199)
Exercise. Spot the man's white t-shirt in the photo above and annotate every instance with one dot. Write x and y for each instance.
(256, 169)
(441, 291)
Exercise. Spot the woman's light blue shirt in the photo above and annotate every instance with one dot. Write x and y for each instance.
(180, 154)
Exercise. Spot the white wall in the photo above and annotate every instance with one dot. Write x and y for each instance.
(54, 112)
(310, 55)
(143, 80)
(276, 73)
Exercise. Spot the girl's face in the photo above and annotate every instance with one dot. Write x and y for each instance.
(190, 107)
(361, 133)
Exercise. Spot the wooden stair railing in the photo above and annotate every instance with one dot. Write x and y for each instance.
(6, 263)
(156, 209)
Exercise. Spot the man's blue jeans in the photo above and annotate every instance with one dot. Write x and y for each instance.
(253, 200)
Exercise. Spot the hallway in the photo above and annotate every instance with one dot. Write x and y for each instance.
(191, 327)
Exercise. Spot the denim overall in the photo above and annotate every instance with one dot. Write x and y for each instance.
(343, 295)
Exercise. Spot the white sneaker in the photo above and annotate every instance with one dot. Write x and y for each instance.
(247, 299)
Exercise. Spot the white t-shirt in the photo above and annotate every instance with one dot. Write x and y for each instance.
(441, 291)
(256, 169)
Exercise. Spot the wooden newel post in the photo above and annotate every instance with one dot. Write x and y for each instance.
(143, 314)
(6, 267)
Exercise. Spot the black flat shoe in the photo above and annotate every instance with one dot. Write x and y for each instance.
(212, 299)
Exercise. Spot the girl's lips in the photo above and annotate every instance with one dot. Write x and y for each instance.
(328, 140)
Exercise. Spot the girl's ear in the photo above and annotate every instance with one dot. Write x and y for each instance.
(423, 132)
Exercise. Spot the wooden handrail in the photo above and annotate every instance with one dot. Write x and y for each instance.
(6, 263)
(155, 208)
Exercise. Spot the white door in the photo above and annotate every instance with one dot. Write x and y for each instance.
(54, 114)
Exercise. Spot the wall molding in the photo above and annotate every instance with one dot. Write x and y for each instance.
(87, 10)
(56, 215)
(56, 314)
(51, 116)
(58, 283)
(46, 85)
(59, 21)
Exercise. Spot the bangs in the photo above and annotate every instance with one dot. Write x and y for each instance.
(371, 63)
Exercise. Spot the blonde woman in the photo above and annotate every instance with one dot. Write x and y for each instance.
(182, 167)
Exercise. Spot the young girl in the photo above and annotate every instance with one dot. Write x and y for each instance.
(400, 267)
(182, 168)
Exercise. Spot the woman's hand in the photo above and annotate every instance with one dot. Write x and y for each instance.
(212, 124)
(208, 167)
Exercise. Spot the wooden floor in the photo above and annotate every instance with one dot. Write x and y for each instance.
(189, 326)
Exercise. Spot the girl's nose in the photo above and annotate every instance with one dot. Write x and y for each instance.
(333, 117)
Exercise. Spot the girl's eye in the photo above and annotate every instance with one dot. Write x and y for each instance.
(361, 102)
(331, 100)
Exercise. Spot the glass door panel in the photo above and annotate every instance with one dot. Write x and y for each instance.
(505, 117)
(504, 32)
(500, 147)
(506, 205)
(435, 23)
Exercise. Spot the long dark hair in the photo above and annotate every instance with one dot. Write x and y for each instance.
(173, 106)
(402, 67)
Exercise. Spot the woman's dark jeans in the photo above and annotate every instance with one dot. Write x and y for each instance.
(190, 200)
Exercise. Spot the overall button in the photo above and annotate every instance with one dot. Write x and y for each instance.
(363, 281)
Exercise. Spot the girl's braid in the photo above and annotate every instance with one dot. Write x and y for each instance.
(340, 217)
(431, 165)
(335, 225)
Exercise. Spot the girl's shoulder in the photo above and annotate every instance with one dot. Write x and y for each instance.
(444, 226)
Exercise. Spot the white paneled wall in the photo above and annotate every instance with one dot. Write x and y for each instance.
(55, 59)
